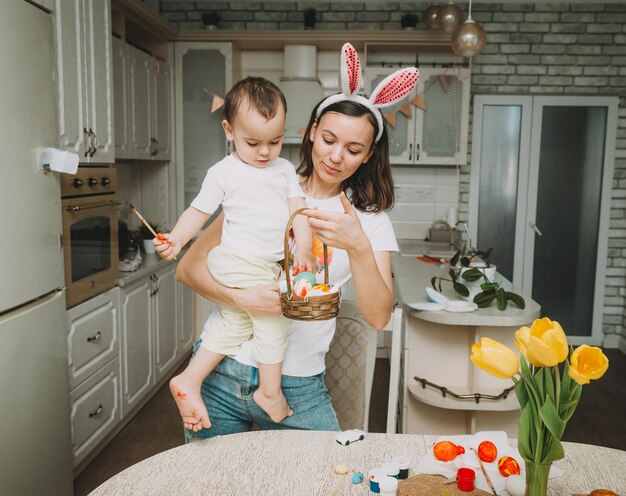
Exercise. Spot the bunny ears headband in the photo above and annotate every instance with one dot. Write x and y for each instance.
(389, 91)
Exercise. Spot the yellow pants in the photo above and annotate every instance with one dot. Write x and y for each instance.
(269, 333)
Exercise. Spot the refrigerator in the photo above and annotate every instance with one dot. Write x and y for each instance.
(35, 439)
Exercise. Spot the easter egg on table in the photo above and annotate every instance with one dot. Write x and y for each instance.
(460, 449)
(487, 451)
(507, 465)
(445, 451)
(357, 478)
(309, 276)
(516, 485)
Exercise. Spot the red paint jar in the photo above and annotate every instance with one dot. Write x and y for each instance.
(465, 479)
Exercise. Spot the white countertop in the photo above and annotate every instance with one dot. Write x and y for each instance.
(412, 276)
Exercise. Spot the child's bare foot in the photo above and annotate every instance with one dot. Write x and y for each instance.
(189, 402)
(275, 406)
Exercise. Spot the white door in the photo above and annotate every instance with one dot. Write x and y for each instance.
(542, 171)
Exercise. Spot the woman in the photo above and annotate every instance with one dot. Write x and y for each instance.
(344, 156)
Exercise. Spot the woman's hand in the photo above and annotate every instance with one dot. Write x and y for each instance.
(259, 300)
(339, 229)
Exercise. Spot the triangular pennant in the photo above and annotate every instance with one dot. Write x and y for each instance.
(445, 82)
(217, 103)
(406, 110)
(418, 101)
(391, 119)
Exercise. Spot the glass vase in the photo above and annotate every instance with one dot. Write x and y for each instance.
(537, 479)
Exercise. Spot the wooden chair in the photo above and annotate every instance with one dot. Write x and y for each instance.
(350, 364)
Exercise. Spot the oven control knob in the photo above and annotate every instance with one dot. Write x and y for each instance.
(78, 183)
(105, 181)
(92, 182)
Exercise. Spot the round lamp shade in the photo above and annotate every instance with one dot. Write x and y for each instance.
(430, 16)
(449, 17)
(468, 39)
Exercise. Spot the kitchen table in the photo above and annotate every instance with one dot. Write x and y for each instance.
(293, 463)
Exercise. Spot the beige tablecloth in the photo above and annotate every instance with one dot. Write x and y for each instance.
(293, 463)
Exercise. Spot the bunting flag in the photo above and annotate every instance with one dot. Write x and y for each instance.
(391, 119)
(218, 102)
(445, 82)
(418, 101)
(406, 110)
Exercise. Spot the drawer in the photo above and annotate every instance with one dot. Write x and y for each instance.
(93, 337)
(95, 409)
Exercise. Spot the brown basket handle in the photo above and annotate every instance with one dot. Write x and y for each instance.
(286, 253)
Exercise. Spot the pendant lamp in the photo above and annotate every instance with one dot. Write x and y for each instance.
(449, 17)
(430, 16)
(469, 38)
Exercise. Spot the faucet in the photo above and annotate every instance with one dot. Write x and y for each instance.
(468, 240)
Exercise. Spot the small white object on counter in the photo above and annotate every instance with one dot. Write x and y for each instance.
(346, 437)
(515, 485)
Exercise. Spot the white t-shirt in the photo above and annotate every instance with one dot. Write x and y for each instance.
(308, 342)
(254, 201)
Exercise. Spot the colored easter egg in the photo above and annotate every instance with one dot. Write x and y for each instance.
(302, 287)
(322, 287)
(487, 451)
(507, 465)
(460, 449)
(445, 451)
(515, 485)
(357, 478)
(309, 276)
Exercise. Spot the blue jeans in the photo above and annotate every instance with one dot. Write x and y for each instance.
(227, 394)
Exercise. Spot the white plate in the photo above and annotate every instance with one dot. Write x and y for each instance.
(435, 296)
(426, 305)
(460, 306)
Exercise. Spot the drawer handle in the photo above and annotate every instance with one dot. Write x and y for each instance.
(95, 338)
(97, 412)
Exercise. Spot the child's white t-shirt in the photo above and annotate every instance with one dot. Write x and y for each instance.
(254, 200)
(308, 342)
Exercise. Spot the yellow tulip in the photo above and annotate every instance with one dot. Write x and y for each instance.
(587, 362)
(495, 358)
(543, 343)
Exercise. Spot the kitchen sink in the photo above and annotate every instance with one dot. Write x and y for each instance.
(417, 247)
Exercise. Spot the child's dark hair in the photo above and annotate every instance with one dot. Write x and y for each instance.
(263, 95)
(372, 184)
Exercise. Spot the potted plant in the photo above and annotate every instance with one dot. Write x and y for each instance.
(310, 16)
(473, 276)
(409, 21)
(147, 236)
(211, 19)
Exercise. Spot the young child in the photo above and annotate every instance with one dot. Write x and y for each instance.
(257, 190)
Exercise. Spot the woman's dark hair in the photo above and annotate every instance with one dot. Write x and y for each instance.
(371, 185)
(263, 96)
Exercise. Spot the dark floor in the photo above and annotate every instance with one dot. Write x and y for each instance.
(599, 419)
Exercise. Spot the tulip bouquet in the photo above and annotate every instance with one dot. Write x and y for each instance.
(547, 396)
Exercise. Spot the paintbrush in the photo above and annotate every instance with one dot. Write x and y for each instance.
(482, 468)
(148, 226)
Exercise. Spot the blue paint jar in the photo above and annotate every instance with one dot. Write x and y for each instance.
(375, 475)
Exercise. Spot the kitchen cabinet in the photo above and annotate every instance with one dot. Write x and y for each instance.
(438, 134)
(149, 333)
(185, 306)
(147, 114)
(82, 31)
(121, 98)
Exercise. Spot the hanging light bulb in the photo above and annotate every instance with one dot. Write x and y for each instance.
(430, 16)
(449, 17)
(469, 38)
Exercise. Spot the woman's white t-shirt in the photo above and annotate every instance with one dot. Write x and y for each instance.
(308, 342)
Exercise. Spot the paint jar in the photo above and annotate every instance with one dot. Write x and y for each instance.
(403, 466)
(388, 486)
(391, 469)
(465, 479)
(375, 475)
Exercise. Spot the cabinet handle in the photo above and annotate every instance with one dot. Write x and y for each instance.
(89, 141)
(417, 151)
(536, 229)
(93, 143)
(156, 151)
(410, 151)
(97, 336)
(97, 412)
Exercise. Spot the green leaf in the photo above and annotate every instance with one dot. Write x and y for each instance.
(455, 259)
(452, 273)
(472, 275)
(516, 299)
(489, 285)
(551, 419)
(525, 428)
(521, 393)
(501, 299)
(465, 261)
(538, 382)
(485, 298)
(461, 288)
(566, 386)
(553, 452)
(525, 368)
(548, 381)
(577, 391)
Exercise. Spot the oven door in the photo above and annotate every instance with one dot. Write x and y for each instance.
(90, 246)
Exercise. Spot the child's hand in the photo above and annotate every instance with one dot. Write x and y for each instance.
(303, 262)
(166, 246)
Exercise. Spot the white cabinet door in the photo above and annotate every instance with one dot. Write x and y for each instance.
(166, 341)
(120, 99)
(185, 307)
(98, 70)
(162, 116)
(136, 325)
(71, 86)
(140, 85)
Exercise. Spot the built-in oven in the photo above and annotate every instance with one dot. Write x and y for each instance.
(90, 232)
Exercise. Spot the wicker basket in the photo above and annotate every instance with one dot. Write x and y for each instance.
(323, 307)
